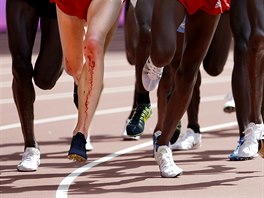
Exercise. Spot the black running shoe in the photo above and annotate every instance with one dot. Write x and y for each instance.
(77, 151)
(75, 95)
(137, 123)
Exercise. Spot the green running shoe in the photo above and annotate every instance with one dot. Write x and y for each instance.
(137, 123)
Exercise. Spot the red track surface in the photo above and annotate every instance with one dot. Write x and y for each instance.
(132, 172)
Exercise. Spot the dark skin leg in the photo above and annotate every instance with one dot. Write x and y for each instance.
(188, 70)
(22, 23)
(143, 14)
(255, 59)
(213, 63)
(241, 30)
(166, 83)
(214, 67)
(137, 40)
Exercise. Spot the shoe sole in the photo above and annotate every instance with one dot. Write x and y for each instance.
(174, 176)
(196, 146)
(26, 170)
(128, 138)
(242, 158)
(138, 134)
(229, 109)
(76, 158)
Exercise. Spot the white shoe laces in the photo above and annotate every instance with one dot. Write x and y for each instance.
(30, 156)
(188, 138)
(165, 160)
(250, 137)
(153, 72)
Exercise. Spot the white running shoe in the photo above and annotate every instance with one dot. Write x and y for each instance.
(151, 75)
(30, 160)
(189, 140)
(164, 159)
(249, 148)
(229, 106)
(127, 137)
(88, 144)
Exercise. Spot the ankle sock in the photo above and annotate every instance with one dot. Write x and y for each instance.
(143, 98)
(194, 127)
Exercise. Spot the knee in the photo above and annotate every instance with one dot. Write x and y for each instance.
(93, 48)
(213, 68)
(162, 53)
(256, 41)
(73, 66)
(45, 82)
(241, 45)
(144, 33)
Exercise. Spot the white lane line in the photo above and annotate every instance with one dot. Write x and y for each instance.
(123, 89)
(67, 181)
(71, 116)
(62, 190)
(124, 74)
(98, 112)
(55, 96)
(67, 78)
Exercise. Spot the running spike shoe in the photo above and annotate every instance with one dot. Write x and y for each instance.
(77, 150)
(137, 123)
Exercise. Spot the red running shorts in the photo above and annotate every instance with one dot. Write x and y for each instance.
(212, 7)
(76, 8)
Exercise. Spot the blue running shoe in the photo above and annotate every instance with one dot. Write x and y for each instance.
(234, 155)
(77, 151)
(155, 137)
(137, 123)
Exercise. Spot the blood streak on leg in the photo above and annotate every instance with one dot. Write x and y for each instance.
(90, 63)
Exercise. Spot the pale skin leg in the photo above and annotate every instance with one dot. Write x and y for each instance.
(102, 16)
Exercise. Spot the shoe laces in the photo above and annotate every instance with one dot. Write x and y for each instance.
(29, 156)
(165, 159)
(153, 72)
(188, 137)
(141, 113)
(249, 136)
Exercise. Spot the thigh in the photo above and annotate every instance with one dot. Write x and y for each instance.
(49, 62)
(239, 22)
(131, 32)
(199, 31)
(102, 16)
(255, 10)
(22, 23)
(165, 21)
(144, 10)
(218, 51)
(71, 34)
